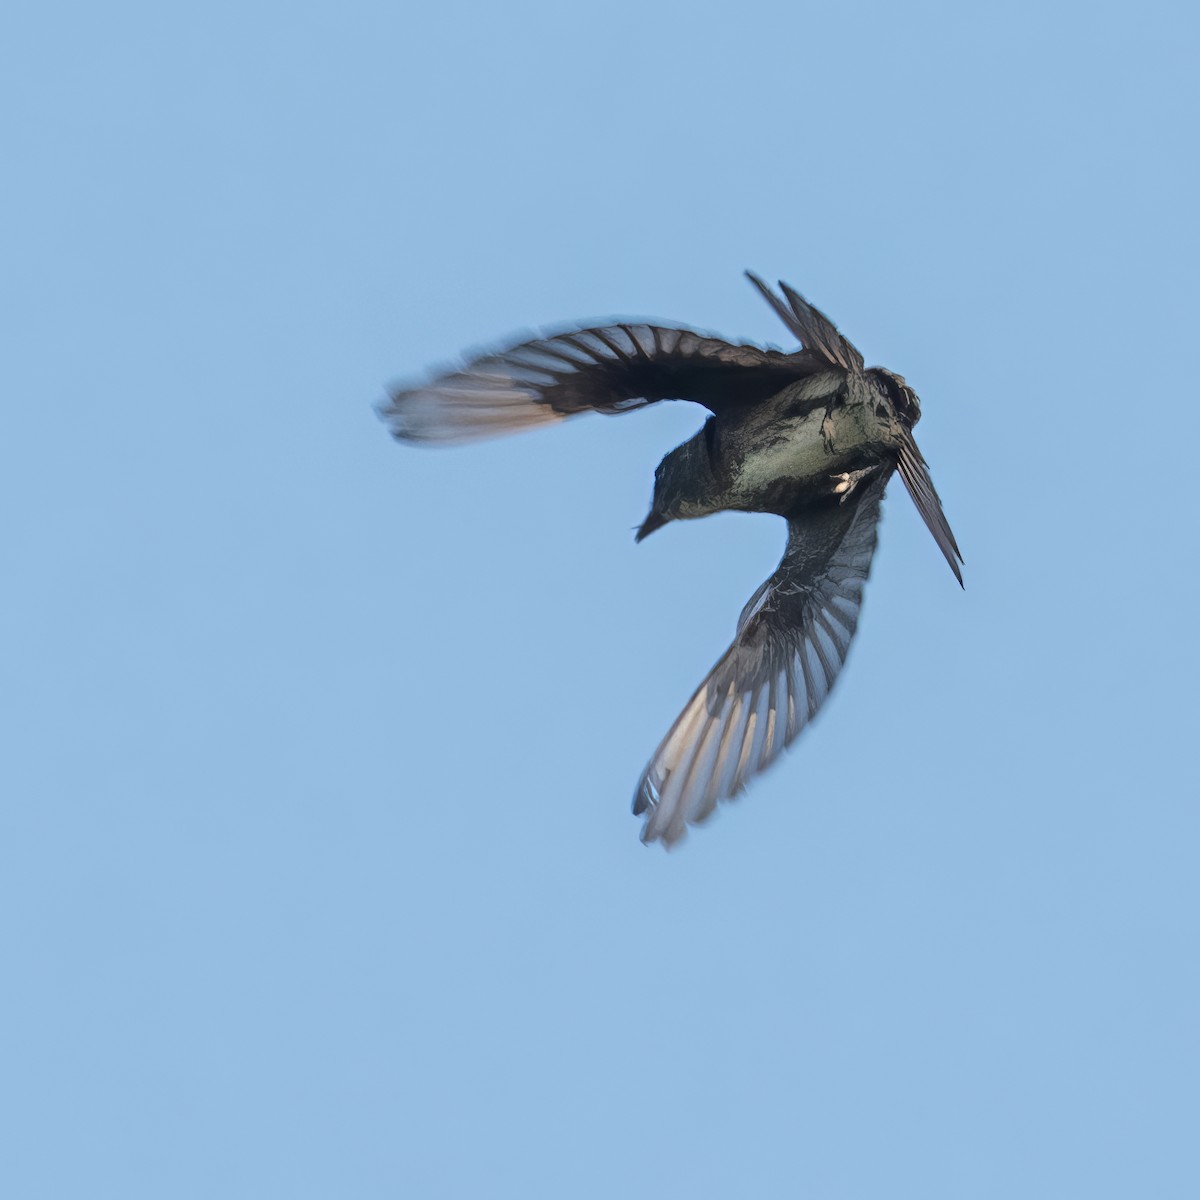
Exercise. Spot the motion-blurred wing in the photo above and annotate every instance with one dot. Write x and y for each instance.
(791, 642)
(609, 370)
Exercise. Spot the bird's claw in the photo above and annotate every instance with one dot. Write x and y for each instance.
(847, 481)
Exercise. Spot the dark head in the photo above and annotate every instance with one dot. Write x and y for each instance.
(684, 485)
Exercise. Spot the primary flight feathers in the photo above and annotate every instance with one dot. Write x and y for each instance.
(610, 370)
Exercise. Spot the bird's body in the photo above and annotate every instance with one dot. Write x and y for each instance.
(812, 436)
(771, 455)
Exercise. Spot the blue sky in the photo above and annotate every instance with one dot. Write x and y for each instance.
(317, 874)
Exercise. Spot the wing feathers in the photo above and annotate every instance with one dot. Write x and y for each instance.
(608, 369)
(816, 332)
(792, 640)
(914, 470)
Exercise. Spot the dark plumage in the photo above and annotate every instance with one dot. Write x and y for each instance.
(811, 435)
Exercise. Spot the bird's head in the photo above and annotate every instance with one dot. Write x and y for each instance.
(683, 485)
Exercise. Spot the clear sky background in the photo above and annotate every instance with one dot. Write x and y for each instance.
(317, 871)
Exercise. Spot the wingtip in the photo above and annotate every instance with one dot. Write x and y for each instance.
(811, 327)
(668, 839)
(645, 805)
(643, 802)
(955, 559)
(914, 471)
(765, 291)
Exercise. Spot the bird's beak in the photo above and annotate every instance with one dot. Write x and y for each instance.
(655, 520)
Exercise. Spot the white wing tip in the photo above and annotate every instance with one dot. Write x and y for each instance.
(463, 411)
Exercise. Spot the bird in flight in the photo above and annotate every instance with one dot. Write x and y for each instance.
(811, 435)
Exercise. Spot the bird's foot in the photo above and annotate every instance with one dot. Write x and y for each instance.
(846, 481)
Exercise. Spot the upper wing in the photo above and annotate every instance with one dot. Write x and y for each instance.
(610, 370)
(791, 642)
